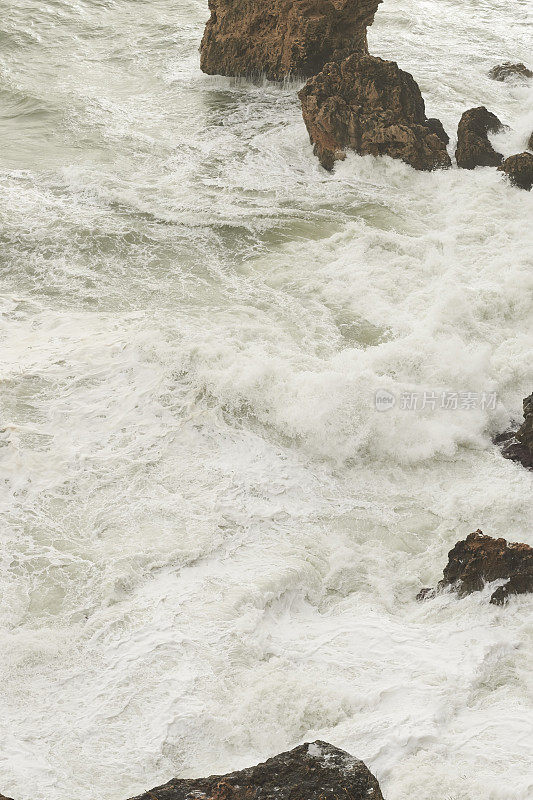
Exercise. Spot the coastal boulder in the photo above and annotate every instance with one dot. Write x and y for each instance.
(517, 445)
(315, 771)
(436, 126)
(480, 559)
(473, 146)
(519, 169)
(371, 106)
(279, 38)
(502, 72)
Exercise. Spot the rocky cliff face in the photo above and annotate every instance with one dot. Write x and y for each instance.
(373, 107)
(479, 559)
(315, 771)
(283, 37)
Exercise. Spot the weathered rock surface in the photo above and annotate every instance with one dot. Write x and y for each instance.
(473, 146)
(373, 107)
(518, 445)
(503, 72)
(519, 169)
(479, 559)
(436, 126)
(283, 37)
(315, 771)
(530, 142)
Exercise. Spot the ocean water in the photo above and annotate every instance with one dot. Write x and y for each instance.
(211, 538)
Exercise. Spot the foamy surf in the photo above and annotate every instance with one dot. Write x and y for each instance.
(212, 538)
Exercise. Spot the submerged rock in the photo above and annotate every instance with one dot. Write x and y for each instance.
(373, 107)
(278, 38)
(315, 771)
(519, 169)
(473, 146)
(479, 559)
(503, 72)
(518, 445)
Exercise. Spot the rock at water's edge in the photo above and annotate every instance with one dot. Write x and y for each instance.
(479, 559)
(373, 107)
(279, 38)
(519, 169)
(518, 445)
(530, 142)
(502, 72)
(436, 126)
(473, 146)
(315, 771)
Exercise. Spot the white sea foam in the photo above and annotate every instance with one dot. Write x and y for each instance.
(211, 539)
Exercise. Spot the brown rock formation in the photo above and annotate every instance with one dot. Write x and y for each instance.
(372, 107)
(519, 169)
(436, 126)
(315, 771)
(473, 146)
(479, 559)
(503, 72)
(530, 142)
(518, 445)
(283, 37)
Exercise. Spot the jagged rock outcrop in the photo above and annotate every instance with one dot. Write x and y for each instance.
(519, 169)
(479, 559)
(315, 771)
(502, 72)
(530, 142)
(473, 146)
(518, 445)
(373, 107)
(283, 37)
(436, 126)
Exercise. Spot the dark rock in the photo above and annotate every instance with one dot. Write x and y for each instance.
(373, 107)
(517, 445)
(283, 37)
(315, 771)
(519, 169)
(530, 142)
(508, 70)
(436, 126)
(473, 146)
(525, 432)
(479, 559)
(427, 593)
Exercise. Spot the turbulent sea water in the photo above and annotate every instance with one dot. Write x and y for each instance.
(211, 539)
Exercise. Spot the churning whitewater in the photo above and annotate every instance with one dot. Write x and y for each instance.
(212, 540)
